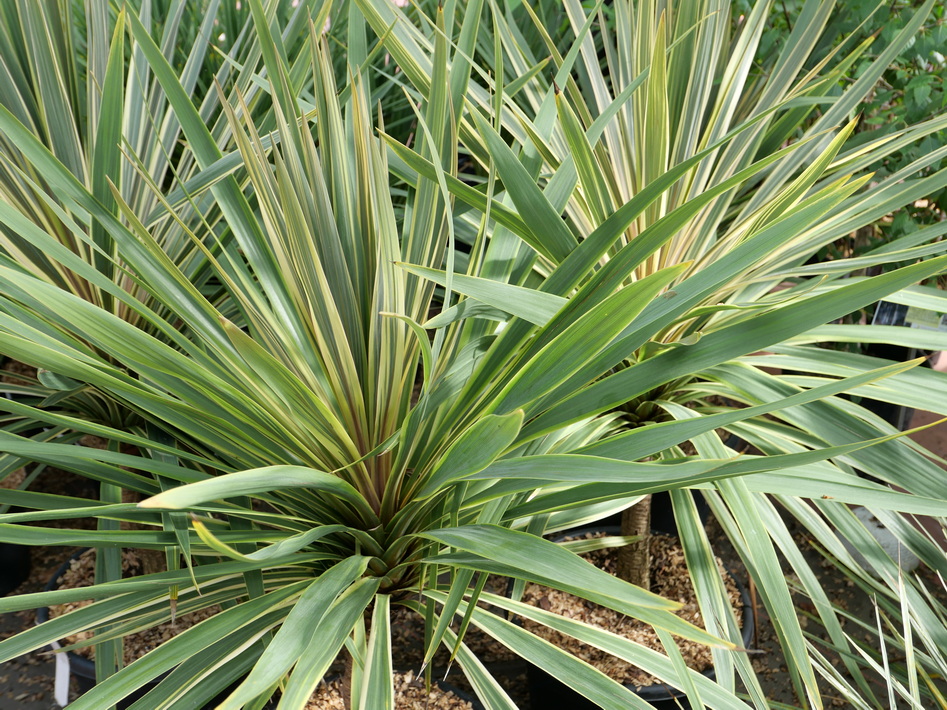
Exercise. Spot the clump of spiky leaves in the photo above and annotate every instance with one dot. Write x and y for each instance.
(83, 112)
(320, 487)
(900, 645)
(662, 149)
(78, 90)
(81, 109)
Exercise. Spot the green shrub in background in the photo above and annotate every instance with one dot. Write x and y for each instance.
(911, 90)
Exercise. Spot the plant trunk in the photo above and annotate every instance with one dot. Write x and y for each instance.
(634, 560)
(346, 688)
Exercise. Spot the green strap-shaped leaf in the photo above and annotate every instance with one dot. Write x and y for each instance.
(377, 692)
(545, 223)
(596, 190)
(297, 631)
(557, 467)
(206, 152)
(468, 308)
(333, 629)
(581, 677)
(503, 214)
(266, 610)
(765, 570)
(529, 304)
(460, 586)
(475, 449)
(486, 687)
(564, 353)
(258, 480)
(107, 153)
(213, 572)
(645, 441)
(527, 556)
(755, 334)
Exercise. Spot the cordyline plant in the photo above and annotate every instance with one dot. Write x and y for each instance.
(342, 449)
(747, 176)
(71, 84)
(75, 88)
(899, 642)
(76, 84)
(302, 402)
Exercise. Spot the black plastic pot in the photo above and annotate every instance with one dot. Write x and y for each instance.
(896, 314)
(15, 561)
(547, 691)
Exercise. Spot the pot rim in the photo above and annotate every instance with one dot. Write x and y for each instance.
(80, 665)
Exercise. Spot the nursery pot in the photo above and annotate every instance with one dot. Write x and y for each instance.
(662, 512)
(547, 691)
(72, 665)
(15, 562)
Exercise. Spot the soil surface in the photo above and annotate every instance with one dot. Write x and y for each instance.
(410, 694)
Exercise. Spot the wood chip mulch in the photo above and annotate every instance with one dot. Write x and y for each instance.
(410, 694)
